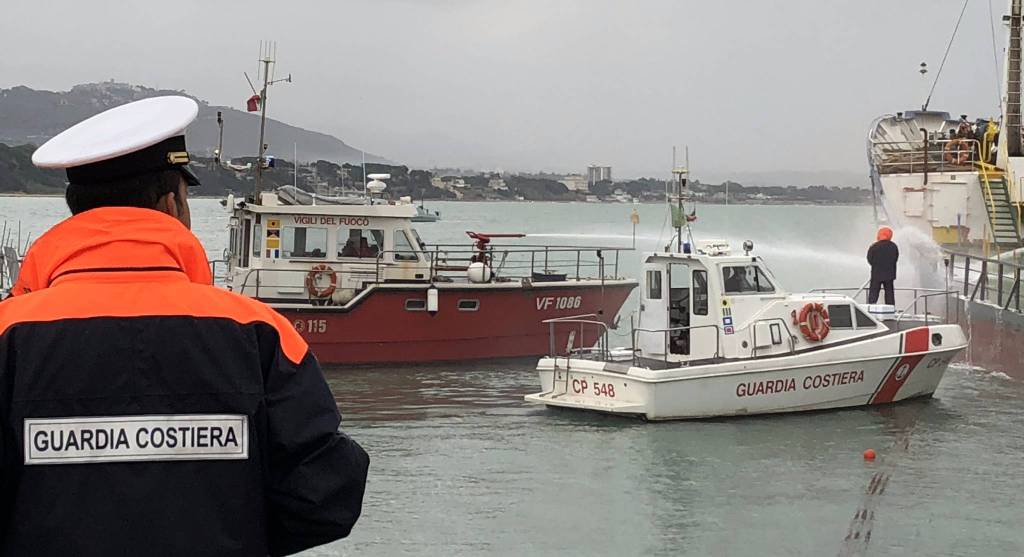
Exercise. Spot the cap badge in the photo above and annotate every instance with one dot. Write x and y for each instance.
(177, 157)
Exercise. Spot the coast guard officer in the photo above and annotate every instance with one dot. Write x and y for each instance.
(142, 410)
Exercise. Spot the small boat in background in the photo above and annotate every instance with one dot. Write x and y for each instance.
(425, 215)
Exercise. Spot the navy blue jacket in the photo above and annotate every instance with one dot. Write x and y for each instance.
(145, 412)
(882, 256)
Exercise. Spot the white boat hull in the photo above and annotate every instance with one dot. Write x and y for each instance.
(879, 370)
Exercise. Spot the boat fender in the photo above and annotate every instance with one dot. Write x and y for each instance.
(813, 322)
(314, 289)
(432, 300)
(343, 296)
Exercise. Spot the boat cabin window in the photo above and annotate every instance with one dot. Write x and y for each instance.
(700, 292)
(863, 321)
(679, 308)
(653, 285)
(749, 279)
(246, 238)
(403, 249)
(257, 240)
(233, 240)
(360, 242)
(679, 288)
(839, 317)
(303, 241)
(419, 241)
(415, 304)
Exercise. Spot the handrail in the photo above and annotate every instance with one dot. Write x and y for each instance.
(441, 264)
(984, 175)
(991, 202)
(584, 319)
(919, 152)
(1003, 272)
(947, 293)
(718, 338)
(858, 291)
(861, 289)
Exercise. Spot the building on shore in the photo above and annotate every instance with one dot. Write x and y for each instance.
(597, 173)
(575, 182)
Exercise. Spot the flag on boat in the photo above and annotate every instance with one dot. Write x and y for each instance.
(253, 104)
(679, 218)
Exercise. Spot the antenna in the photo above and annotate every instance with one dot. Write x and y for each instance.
(678, 214)
(220, 139)
(265, 67)
(923, 70)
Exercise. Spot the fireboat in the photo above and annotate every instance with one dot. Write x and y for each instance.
(362, 287)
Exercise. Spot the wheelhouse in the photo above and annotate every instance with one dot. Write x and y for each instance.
(710, 305)
(281, 252)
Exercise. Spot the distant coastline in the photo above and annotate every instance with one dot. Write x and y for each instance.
(644, 202)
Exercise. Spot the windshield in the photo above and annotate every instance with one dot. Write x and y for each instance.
(419, 241)
(746, 279)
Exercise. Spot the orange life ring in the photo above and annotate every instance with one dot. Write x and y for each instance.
(957, 151)
(813, 322)
(313, 274)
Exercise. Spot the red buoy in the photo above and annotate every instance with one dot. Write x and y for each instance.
(869, 454)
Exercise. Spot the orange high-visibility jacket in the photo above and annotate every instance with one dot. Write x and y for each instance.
(145, 412)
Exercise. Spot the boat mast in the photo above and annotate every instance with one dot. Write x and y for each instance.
(268, 53)
(220, 138)
(266, 61)
(678, 214)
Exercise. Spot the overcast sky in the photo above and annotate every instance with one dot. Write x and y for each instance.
(750, 86)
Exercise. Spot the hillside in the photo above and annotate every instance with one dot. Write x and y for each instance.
(18, 174)
(33, 116)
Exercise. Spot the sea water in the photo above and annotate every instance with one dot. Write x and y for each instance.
(462, 466)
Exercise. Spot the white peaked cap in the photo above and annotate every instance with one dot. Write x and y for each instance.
(120, 131)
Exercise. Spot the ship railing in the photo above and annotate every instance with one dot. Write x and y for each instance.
(258, 282)
(580, 324)
(542, 264)
(219, 271)
(993, 281)
(529, 262)
(920, 298)
(898, 157)
(927, 317)
(666, 344)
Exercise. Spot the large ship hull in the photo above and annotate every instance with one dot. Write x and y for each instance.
(960, 213)
(471, 322)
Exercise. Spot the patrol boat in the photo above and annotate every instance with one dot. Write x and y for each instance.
(718, 335)
(361, 286)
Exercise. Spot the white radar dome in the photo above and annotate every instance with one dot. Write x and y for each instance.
(478, 273)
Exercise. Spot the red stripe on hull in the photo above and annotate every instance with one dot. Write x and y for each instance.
(915, 340)
(507, 323)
